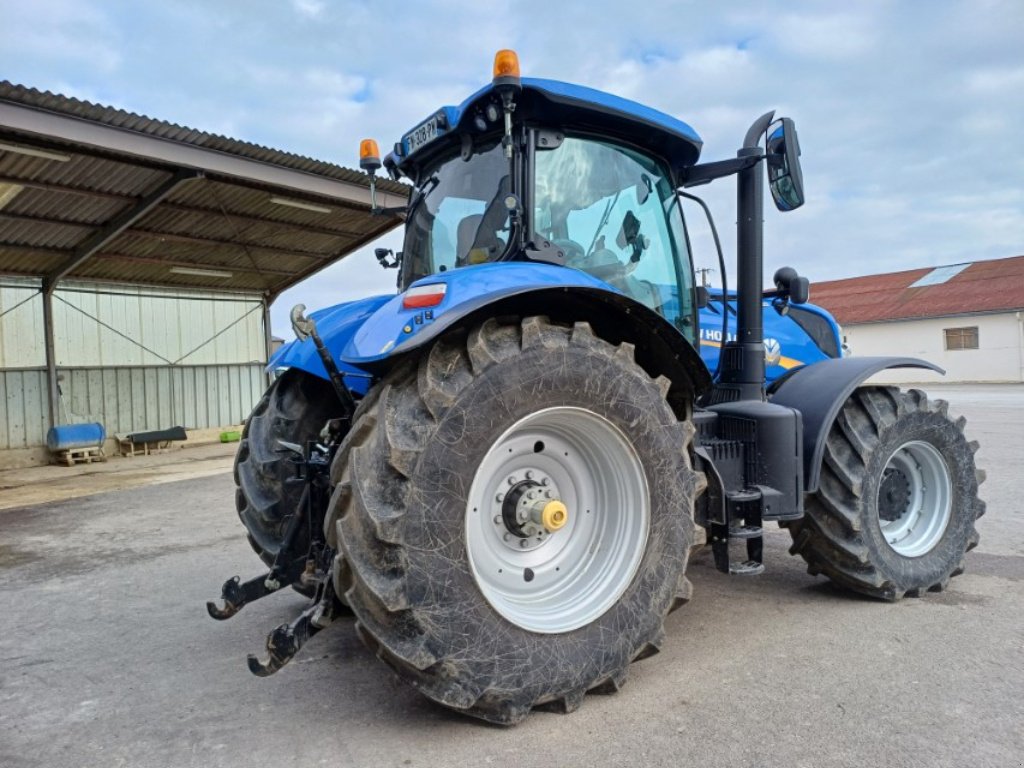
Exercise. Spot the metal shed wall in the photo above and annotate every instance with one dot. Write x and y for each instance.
(182, 357)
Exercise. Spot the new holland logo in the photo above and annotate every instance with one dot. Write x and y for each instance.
(772, 351)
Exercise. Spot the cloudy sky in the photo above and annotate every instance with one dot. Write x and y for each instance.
(908, 111)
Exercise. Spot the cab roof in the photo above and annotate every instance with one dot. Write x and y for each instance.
(571, 107)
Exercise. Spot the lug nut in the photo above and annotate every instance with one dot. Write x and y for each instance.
(498, 520)
(512, 480)
(529, 475)
(548, 494)
(500, 497)
(544, 481)
(524, 543)
(507, 537)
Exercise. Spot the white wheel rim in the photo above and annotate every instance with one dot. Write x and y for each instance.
(563, 579)
(922, 521)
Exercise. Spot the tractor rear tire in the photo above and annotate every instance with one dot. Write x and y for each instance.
(898, 497)
(294, 409)
(495, 630)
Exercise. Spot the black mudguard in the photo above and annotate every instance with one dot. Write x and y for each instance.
(818, 391)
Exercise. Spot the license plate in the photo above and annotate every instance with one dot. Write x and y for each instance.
(421, 135)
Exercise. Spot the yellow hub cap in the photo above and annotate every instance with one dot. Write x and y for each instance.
(554, 516)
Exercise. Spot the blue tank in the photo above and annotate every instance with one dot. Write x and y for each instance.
(70, 436)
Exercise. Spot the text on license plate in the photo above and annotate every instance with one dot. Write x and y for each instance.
(421, 135)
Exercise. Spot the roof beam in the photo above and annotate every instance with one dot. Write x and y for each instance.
(116, 226)
(197, 240)
(389, 224)
(48, 186)
(42, 250)
(176, 237)
(249, 218)
(127, 142)
(157, 261)
(246, 218)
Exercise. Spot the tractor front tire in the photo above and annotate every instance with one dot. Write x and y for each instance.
(898, 497)
(294, 409)
(474, 610)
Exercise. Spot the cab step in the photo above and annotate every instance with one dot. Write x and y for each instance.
(747, 531)
(746, 568)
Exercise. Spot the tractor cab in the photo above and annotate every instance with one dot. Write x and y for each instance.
(573, 177)
(541, 171)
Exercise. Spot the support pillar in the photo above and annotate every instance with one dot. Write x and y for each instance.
(52, 386)
(268, 337)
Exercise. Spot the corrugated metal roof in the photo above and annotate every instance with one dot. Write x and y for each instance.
(981, 286)
(118, 118)
(221, 221)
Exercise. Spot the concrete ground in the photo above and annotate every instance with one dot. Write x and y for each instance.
(25, 486)
(107, 657)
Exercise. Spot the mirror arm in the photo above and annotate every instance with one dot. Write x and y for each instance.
(757, 130)
(397, 210)
(705, 172)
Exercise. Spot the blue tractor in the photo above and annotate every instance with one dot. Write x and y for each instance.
(499, 471)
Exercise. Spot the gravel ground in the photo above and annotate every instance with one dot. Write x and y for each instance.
(107, 656)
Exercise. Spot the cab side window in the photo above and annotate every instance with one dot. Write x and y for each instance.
(614, 213)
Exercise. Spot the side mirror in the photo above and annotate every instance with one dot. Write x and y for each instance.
(382, 258)
(792, 286)
(800, 291)
(702, 296)
(784, 175)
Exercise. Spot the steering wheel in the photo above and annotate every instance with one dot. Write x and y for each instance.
(612, 271)
(570, 248)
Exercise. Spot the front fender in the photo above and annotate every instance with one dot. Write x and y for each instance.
(335, 326)
(393, 331)
(819, 391)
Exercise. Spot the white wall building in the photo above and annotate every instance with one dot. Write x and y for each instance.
(966, 318)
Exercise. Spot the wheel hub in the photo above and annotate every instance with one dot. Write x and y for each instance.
(894, 495)
(531, 510)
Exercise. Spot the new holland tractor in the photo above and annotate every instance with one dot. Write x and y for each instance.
(499, 470)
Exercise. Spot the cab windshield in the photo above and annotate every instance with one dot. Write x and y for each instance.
(459, 217)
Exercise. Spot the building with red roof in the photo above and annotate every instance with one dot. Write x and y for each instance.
(967, 318)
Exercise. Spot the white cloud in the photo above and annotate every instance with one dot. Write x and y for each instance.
(907, 119)
(311, 9)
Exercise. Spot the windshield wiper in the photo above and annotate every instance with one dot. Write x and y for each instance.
(421, 192)
(604, 221)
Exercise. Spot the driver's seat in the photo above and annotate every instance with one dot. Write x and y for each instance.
(473, 246)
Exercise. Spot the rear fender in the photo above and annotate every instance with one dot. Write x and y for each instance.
(819, 391)
(488, 290)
